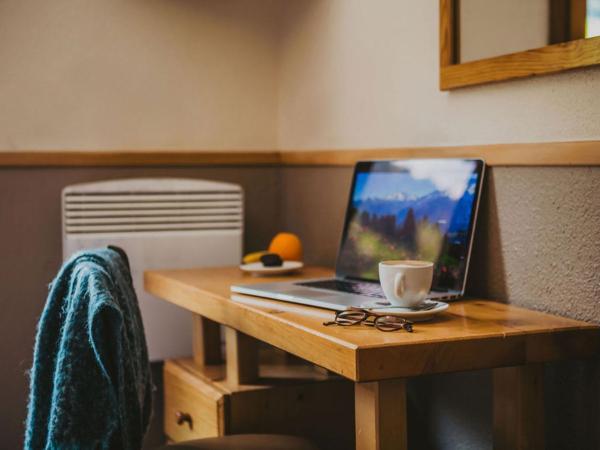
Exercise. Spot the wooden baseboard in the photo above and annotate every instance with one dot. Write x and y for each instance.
(576, 153)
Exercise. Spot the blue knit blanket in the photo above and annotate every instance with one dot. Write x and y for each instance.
(90, 381)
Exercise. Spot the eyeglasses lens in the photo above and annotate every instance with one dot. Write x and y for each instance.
(392, 323)
(350, 317)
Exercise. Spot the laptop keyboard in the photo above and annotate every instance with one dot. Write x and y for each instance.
(351, 287)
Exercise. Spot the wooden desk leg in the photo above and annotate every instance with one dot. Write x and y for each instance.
(380, 411)
(519, 407)
(206, 341)
(241, 353)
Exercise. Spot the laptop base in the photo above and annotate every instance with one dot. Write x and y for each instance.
(298, 292)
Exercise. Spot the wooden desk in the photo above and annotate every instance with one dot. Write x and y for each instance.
(471, 334)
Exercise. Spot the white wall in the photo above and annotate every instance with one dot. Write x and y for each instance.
(358, 73)
(137, 74)
(258, 74)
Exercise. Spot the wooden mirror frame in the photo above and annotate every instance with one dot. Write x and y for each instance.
(538, 61)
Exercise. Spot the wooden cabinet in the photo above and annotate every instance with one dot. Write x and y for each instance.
(287, 399)
(194, 407)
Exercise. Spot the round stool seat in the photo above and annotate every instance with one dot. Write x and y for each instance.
(246, 442)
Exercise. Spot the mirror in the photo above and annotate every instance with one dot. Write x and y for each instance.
(489, 40)
(491, 28)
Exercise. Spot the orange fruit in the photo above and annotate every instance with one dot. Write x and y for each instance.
(288, 246)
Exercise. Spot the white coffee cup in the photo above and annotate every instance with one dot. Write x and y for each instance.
(406, 283)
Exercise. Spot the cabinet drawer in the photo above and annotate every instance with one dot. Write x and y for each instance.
(319, 408)
(193, 407)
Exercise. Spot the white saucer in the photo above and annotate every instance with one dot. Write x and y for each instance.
(258, 268)
(414, 315)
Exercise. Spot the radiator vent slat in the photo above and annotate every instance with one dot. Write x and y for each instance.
(105, 211)
(152, 227)
(162, 219)
(153, 212)
(151, 205)
(87, 198)
(148, 191)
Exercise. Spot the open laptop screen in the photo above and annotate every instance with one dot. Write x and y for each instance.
(415, 209)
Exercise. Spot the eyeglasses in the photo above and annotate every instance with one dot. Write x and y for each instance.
(382, 322)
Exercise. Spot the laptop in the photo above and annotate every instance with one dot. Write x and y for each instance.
(419, 209)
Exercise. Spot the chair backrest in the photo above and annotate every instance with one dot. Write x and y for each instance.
(90, 381)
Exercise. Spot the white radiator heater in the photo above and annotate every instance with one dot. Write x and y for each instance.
(161, 223)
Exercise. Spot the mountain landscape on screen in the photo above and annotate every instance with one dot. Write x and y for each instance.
(435, 207)
(426, 224)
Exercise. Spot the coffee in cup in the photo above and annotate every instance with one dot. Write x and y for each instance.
(406, 282)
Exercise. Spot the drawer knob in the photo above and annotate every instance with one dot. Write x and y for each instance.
(182, 418)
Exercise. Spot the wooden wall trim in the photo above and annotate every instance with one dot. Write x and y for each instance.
(582, 153)
(138, 158)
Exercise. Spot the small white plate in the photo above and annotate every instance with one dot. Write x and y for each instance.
(258, 268)
(414, 315)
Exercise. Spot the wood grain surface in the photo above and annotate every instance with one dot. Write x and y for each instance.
(574, 153)
(471, 334)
